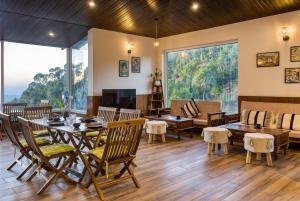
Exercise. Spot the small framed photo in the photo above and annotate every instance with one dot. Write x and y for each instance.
(295, 54)
(267, 59)
(123, 68)
(135, 64)
(292, 75)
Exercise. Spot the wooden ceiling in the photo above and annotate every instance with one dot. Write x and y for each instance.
(29, 21)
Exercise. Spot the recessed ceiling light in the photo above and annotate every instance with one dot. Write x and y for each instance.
(195, 6)
(92, 4)
(51, 34)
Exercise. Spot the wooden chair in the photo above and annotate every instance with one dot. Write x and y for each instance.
(37, 113)
(14, 110)
(19, 144)
(121, 147)
(109, 115)
(128, 114)
(45, 154)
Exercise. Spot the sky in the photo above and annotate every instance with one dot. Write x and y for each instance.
(23, 61)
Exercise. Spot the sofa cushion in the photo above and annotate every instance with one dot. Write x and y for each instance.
(190, 109)
(200, 122)
(287, 120)
(296, 122)
(294, 134)
(252, 117)
(244, 116)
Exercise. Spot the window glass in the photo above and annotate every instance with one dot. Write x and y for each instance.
(207, 73)
(33, 73)
(79, 74)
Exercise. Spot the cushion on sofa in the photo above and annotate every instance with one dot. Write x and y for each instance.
(244, 116)
(201, 122)
(287, 120)
(296, 122)
(294, 134)
(190, 109)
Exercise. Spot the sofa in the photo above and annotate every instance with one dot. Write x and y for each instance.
(279, 116)
(210, 112)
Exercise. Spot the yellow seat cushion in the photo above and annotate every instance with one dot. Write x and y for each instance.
(98, 152)
(43, 132)
(39, 141)
(55, 149)
(94, 134)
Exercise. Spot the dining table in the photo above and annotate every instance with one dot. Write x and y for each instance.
(68, 134)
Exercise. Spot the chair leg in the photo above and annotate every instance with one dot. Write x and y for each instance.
(248, 158)
(209, 148)
(150, 138)
(226, 148)
(163, 138)
(25, 171)
(15, 162)
(134, 179)
(93, 178)
(258, 156)
(219, 146)
(269, 159)
(213, 146)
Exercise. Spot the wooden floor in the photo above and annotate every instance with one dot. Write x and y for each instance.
(174, 171)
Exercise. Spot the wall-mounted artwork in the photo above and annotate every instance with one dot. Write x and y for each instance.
(123, 68)
(267, 59)
(292, 75)
(295, 54)
(135, 64)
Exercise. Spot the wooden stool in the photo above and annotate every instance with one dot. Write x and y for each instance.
(154, 128)
(216, 136)
(259, 143)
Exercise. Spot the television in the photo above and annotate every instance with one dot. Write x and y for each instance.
(119, 98)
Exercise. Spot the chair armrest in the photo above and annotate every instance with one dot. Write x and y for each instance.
(215, 121)
(232, 118)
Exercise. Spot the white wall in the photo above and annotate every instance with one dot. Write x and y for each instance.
(254, 36)
(106, 48)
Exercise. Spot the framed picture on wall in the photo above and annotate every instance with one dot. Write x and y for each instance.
(292, 75)
(295, 54)
(123, 68)
(135, 64)
(267, 59)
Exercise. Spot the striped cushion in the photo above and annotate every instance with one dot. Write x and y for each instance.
(276, 121)
(252, 117)
(190, 109)
(296, 122)
(244, 116)
(269, 119)
(260, 118)
(287, 120)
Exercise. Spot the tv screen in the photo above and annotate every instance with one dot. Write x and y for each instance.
(119, 98)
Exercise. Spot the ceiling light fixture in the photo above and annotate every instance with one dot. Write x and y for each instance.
(51, 34)
(156, 43)
(195, 6)
(92, 4)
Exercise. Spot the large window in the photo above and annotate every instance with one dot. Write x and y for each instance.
(79, 75)
(33, 73)
(207, 73)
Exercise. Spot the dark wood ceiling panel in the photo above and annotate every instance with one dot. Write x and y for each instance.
(30, 20)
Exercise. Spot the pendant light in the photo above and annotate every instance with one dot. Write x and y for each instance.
(156, 43)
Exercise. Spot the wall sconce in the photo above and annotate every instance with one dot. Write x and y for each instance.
(285, 33)
(130, 48)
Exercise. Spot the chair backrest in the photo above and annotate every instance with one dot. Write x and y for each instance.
(8, 129)
(108, 113)
(129, 114)
(123, 139)
(37, 112)
(14, 110)
(29, 136)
